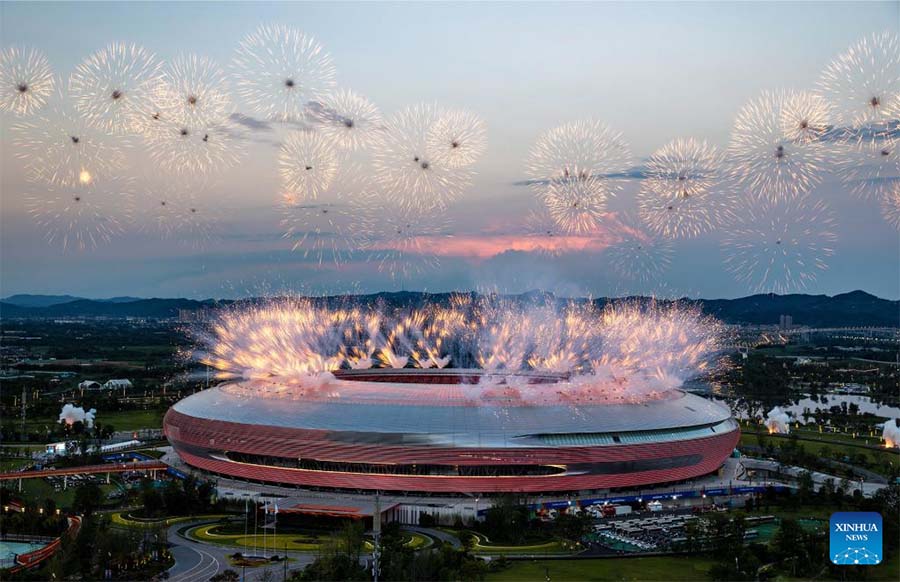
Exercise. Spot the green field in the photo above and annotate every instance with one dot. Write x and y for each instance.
(880, 460)
(651, 569)
(124, 420)
(37, 490)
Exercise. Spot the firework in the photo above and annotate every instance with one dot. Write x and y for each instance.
(83, 216)
(332, 227)
(349, 120)
(780, 245)
(279, 70)
(863, 82)
(457, 139)
(576, 151)
(308, 163)
(407, 172)
(194, 92)
(60, 147)
(578, 205)
(868, 169)
(26, 81)
(402, 239)
(806, 117)
(112, 86)
(682, 194)
(639, 255)
(194, 152)
(764, 160)
(890, 205)
(173, 210)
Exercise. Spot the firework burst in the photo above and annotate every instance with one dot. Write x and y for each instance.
(59, 146)
(172, 210)
(112, 86)
(279, 70)
(349, 120)
(308, 164)
(457, 139)
(194, 92)
(26, 80)
(577, 205)
(83, 216)
(863, 82)
(579, 150)
(763, 159)
(780, 245)
(407, 172)
(683, 194)
(868, 169)
(639, 255)
(184, 151)
(890, 205)
(806, 117)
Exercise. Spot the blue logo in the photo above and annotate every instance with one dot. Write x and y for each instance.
(855, 538)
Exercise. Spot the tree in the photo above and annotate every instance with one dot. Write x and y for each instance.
(87, 498)
(228, 575)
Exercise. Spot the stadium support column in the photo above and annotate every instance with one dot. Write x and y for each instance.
(376, 535)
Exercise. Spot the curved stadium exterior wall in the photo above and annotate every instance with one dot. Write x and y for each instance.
(419, 431)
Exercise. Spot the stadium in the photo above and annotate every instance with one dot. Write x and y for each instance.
(415, 430)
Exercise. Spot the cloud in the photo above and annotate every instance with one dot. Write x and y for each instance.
(635, 173)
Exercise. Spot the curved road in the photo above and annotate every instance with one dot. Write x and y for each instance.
(198, 562)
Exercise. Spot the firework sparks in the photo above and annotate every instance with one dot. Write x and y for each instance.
(806, 117)
(402, 239)
(764, 160)
(890, 205)
(172, 210)
(780, 245)
(112, 86)
(863, 82)
(683, 194)
(83, 216)
(59, 146)
(26, 80)
(279, 70)
(196, 152)
(576, 151)
(349, 120)
(308, 164)
(194, 92)
(868, 169)
(407, 172)
(457, 139)
(578, 205)
(639, 255)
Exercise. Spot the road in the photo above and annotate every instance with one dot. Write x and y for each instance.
(198, 562)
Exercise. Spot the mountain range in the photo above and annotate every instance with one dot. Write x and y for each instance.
(847, 309)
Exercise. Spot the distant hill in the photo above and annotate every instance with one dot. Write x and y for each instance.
(25, 300)
(855, 308)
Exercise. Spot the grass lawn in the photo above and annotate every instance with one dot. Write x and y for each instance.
(879, 459)
(651, 569)
(124, 420)
(485, 546)
(37, 490)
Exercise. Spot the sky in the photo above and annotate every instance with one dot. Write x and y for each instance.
(653, 71)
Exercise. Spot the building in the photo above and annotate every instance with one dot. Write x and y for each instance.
(785, 322)
(89, 385)
(117, 384)
(420, 431)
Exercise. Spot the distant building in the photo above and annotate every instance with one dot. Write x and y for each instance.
(785, 322)
(89, 385)
(195, 315)
(118, 383)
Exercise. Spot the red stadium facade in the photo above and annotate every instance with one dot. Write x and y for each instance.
(363, 433)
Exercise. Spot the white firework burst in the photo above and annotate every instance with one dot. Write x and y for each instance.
(334, 226)
(683, 194)
(350, 120)
(173, 210)
(780, 245)
(59, 146)
(194, 92)
(457, 139)
(26, 80)
(308, 163)
(578, 205)
(576, 150)
(806, 117)
(863, 83)
(406, 171)
(870, 168)
(279, 70)
(112, 86)
(639, 255)
(890, 205)
(83, 216)
(763, 160)
(181, 150)
(403, 240)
